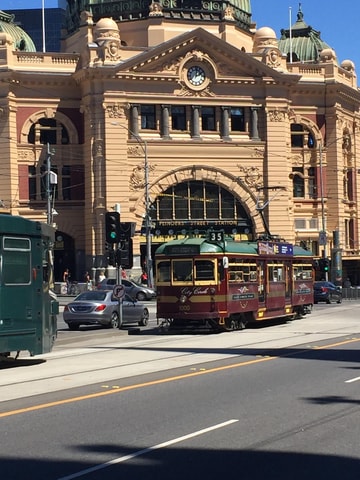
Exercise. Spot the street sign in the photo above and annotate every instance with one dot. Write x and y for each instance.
(119, 291)
(322, 238)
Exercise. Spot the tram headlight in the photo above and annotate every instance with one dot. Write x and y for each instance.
(183, 298)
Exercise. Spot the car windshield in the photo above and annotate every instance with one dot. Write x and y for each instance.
(97, 296)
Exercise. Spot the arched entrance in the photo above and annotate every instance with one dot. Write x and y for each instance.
(197, 206)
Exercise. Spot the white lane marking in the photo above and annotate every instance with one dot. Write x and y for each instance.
(352, 380)
(146, 450)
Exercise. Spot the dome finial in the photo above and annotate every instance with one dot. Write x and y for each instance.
(300, 15)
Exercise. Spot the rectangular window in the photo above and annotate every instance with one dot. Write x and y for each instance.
(237, 120)
(16, 262)
(32, 182)
(178, 118)
(302, 272)
(300, 224)
(208, 118)
(163, 272)
(148, 117)
(66, 182)
(298, 182)
(241, 272)
(276, 273)
(204, 270)
(182, 270)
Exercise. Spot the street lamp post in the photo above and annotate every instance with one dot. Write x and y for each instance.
(322, 236)
(149, 269)
(143, 145)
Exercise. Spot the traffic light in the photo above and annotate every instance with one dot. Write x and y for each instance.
(324, 265)
(127, 229)
(124, 256)
(112, 227)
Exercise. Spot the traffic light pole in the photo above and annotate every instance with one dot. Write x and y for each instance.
(119, 282)
(118, 270)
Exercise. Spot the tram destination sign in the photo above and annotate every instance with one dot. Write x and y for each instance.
(182, 249)
(275, 248)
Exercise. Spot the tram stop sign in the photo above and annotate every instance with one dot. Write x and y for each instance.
(119, 291)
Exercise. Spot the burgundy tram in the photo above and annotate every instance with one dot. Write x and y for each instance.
(218, 283)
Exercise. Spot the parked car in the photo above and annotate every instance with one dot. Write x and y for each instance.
(100, 307)
(140, 292)
(327, 292)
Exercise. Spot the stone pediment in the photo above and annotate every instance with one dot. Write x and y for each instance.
(223, 62)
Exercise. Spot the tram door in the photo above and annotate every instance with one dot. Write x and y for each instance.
(261, 281)
(288, 281)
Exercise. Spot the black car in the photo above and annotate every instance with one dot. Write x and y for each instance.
(327, 292)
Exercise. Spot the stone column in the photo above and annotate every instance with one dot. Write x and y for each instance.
(134, 119)
(225, 114)
(254, 123)
(165, 121)
(195, 121)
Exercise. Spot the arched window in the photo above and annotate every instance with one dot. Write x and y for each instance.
(198, 200)
(301, 136)
(48, 130)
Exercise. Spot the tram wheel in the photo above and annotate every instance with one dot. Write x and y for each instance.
(230, 324)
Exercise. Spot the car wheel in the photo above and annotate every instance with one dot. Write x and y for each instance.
(144, 318)
(140, 296)
(328, 300)
(73, 326)
(114, 320)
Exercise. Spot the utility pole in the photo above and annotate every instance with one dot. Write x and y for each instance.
(51, 179)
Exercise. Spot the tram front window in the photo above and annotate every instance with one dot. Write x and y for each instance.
(182, 270)
(204, 270)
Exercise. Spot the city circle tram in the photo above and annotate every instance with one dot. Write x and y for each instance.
(217, 283)
(28, 307)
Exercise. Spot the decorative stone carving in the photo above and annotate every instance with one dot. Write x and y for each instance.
(98, 148)
(86, 18)
(107, 36)
(155, 9)
(272, 57)
(228, 13)
(252, 177)
(137, 177)
(117, 110)
(276, 115)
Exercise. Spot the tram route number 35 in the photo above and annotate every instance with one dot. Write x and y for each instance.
(216, 236)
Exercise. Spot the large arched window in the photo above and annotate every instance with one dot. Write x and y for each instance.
(199, 200)
(48, 130)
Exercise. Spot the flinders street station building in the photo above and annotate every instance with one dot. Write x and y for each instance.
(182, 115)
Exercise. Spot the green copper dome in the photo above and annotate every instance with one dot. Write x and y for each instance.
(129, 10)
(305, 42)
(22, 40)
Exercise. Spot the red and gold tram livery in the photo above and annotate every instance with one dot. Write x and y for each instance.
(215, 282)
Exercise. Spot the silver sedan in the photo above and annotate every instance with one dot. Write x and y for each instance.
(99, 307)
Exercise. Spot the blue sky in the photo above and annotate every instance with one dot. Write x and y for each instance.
(338, 22)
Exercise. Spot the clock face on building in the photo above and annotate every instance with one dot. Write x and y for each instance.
(196, 75)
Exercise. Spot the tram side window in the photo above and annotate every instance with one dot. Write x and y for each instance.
(16, 264)
(182, 270)
(276, 273)
(242, 273)
(163, 272)
(302, 272)
(204, 270)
